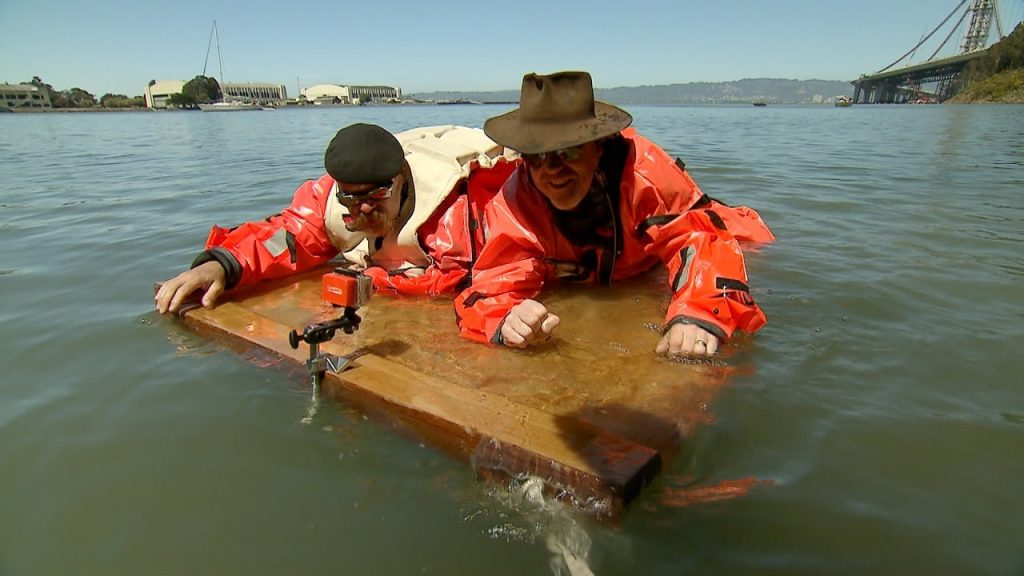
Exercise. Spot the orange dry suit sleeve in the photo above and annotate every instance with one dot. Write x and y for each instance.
(706, 275)
(291, 241)
(699, 246)
(511, 269)
(696, 238)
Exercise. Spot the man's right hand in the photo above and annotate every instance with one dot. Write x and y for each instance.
(527, 323)
(208, 276)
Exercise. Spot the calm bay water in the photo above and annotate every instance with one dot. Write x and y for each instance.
(882, 405)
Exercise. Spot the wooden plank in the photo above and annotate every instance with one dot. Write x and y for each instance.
(594, 414)
(573, 457)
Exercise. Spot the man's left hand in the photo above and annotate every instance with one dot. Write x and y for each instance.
(687, 340)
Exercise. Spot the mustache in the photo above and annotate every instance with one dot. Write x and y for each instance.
(361, 221)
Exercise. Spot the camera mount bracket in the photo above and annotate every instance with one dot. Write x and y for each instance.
(316, 334)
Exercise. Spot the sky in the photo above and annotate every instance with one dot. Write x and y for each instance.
(438, 45)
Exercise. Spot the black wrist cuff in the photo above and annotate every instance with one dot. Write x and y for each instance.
(227, 261)
(713, 329)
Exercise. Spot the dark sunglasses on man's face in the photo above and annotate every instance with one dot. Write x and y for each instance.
(378, 194)
(570, 154)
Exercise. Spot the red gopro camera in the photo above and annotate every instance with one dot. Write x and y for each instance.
(346, 288)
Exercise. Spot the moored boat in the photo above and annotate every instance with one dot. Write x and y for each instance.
(228, 106)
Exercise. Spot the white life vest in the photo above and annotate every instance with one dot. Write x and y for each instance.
(439, 158)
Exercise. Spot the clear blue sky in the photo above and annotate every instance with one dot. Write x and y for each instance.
(429, 45)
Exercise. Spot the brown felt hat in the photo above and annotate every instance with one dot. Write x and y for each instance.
(556, 111)
(363, 154)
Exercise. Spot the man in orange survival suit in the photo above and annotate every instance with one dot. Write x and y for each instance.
(596, 201)
(407, 208)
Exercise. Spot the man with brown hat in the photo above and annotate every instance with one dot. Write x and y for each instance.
(593, 200)
(403, 206)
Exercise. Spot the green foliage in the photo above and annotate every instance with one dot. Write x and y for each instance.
(74, 98)
(181, 100)
(202, 89)
(122, 101)
(1005, 86)
(1007, 54)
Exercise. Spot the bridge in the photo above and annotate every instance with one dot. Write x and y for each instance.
(936, 79)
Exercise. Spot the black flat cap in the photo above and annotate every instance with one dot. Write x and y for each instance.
(363, 154)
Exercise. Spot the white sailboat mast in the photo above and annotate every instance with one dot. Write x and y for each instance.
(220, 62)
(225, 103)
(215, 38)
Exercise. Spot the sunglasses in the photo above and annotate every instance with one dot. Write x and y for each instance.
(380, 193)
(570, 154)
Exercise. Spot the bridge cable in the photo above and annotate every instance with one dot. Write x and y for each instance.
(925, 39)
(948, 36)
(999, 25)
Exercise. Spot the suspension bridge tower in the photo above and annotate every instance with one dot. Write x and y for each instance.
(976, 38)
(936, 79)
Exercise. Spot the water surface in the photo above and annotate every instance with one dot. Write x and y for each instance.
(879, 409)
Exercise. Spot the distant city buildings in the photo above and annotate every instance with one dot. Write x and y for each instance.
(158, 92)
(23, 96)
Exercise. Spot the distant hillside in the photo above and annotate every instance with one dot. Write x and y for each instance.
(771, 90)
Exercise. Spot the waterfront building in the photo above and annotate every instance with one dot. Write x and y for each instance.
(158, 91)
(259, 92)
(23, 96)
(327, 94)
(350, 94)
(375, 93)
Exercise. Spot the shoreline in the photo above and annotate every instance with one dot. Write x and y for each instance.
(73, 110)
(3, 111)
(309, 106)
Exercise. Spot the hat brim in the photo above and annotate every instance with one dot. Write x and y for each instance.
(536, 137)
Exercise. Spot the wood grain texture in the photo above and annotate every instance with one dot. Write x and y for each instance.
(593, 413)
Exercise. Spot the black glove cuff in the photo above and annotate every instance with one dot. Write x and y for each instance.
(227, 261)
(713, 329)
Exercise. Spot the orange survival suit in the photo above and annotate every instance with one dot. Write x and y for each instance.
(656, 213)
(455, 171)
